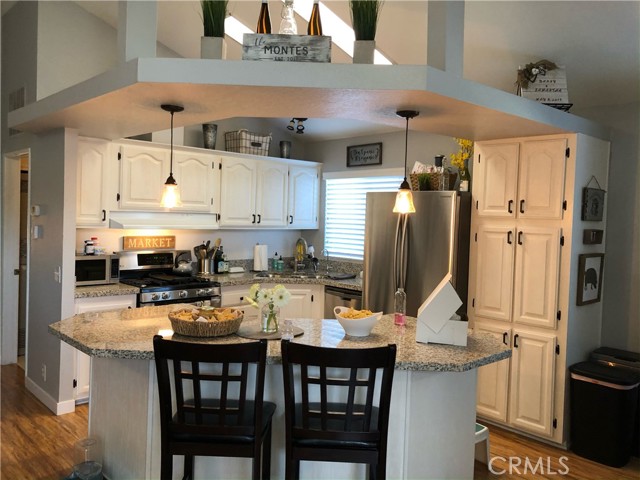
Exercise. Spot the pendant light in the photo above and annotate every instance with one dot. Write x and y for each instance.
(404, 198)
(170, 193)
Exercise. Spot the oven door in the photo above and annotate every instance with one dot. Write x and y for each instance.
(196, 302)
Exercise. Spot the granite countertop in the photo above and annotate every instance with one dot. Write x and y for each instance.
(128, 334)
(227, 279)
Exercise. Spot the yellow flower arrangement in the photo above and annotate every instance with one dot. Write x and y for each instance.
(465, 152)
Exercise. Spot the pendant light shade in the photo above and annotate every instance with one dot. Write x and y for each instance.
(171, 193)
(404, 197)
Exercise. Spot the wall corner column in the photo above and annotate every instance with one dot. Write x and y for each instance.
(445, 36)
(137, 29)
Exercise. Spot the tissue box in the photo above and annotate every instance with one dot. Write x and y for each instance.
(437, 321)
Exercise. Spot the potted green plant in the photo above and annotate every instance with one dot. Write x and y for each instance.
(364, 19)
(212, 43)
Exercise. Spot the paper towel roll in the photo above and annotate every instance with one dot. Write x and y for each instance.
(260, 258)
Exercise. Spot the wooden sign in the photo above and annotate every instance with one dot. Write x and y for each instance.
(549, 86)
(150, 242)
(286, 48)
(360, 155)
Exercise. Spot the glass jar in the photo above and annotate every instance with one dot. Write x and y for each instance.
(465, 177)
(270, 315)
(287, 330)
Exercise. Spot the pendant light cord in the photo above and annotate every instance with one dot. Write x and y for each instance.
(406, 145)
(171, 158)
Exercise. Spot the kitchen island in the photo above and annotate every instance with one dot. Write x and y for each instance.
(431, 428)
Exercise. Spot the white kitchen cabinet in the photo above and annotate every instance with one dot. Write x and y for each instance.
(525, 245)
(304, 197)
(198, 177)
(253, 193)
(519, 391)
(82, 361)
(493, 379)
(92, 182)
(517, 272)
(532, 381)
(307, 301)
(520, 179)
(143, 170)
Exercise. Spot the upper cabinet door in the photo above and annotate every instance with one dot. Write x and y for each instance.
(304, 199)
(91, 182)
(541, 178)
(497, 179)
(494, 272)
(271, 199)
(194, 174)
(536, 276)
(143, 171)
(238, 192)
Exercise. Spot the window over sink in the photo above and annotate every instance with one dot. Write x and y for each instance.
(345, 206)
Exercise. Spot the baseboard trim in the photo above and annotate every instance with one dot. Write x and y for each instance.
(59, 408)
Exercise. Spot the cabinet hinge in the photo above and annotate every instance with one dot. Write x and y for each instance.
(211, 201)
(119, 156)
(567, 152)
(564, 205)
(555, 423)
(478, 158)
(213, 165)
(558, 315)
(557, 349)
(117, 197)
(562, 241)
(312, 298)
(473, 302)
(475, 237)
(75, 383)
(220, 166)
(476, 204)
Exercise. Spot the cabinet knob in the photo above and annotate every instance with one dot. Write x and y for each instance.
(521, 206)
(259, 218)
(515, 341)
(519, 238)
(290, 219)
(510, 206)
(509, 233)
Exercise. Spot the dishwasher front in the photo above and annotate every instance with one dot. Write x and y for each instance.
(340, 297)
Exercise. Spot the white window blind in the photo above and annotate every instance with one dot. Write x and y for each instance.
(345, 206)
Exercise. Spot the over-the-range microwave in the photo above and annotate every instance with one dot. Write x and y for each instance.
(97, 269)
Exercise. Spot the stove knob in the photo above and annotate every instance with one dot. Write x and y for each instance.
(154, 297)
(209, 291)
(200, 292)
(183, 294)
(165, 296)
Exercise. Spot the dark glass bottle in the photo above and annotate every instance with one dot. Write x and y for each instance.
(264, 19)
(315, 25)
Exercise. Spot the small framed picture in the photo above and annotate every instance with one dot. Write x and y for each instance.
(592, 204)
(361, 155)
(590, 266)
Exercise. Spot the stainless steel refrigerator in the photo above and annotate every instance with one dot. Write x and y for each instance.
(415, 250)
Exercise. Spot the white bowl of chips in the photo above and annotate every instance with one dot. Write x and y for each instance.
(357, 323)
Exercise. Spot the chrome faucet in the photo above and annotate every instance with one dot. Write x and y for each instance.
(300, 254)
(325, 254)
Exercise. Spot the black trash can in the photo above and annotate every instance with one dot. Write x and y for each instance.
(604, 404)
(625, 360)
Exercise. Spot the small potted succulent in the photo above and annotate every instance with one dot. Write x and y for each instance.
(212, 43)
(364, 20)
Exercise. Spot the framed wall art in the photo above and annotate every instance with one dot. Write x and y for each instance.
(592, 202)
(361, 155)
(590, 267)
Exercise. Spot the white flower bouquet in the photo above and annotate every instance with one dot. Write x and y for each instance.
(269, 300)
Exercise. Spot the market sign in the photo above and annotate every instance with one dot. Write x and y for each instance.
(149, 242)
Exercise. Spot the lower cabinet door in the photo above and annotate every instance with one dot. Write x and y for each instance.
(493, 379)
(532, 382)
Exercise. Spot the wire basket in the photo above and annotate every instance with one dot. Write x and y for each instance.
(433, 181)
(243, 141)
(183, 323)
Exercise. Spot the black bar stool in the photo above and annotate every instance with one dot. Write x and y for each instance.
(340, 415)
(219, 405)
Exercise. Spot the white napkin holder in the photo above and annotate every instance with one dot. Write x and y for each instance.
(437, 321)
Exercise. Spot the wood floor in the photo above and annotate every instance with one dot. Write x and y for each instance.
(35, 444)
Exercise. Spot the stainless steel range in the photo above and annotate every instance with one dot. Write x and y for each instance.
(153, 273)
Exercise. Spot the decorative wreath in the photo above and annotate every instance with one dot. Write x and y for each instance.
(531, 71)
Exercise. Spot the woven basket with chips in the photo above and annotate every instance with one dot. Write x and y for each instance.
(220, 322)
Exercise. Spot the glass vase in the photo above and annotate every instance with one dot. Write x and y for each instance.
(465, 177)
(270, 314)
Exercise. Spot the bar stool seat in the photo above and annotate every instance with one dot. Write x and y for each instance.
(482, 444)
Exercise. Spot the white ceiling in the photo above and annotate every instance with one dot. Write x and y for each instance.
(598, 42)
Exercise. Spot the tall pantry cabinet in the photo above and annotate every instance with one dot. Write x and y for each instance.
(526, 236)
